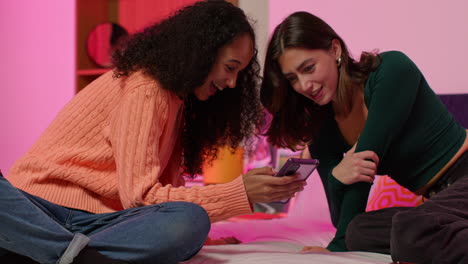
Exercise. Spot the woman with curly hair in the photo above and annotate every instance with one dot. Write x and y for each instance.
(104, 182)
(361, 118)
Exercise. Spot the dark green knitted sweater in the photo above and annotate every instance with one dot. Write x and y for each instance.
(407, 126)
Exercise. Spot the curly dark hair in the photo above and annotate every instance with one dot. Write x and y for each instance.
(179, 53)
(304, 30)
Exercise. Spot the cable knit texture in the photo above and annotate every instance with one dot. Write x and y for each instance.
(114, 146)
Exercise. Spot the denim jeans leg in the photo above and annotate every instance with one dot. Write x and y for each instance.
(163, 233)
(27, 230)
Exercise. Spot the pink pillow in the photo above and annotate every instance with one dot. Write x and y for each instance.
(386, 192)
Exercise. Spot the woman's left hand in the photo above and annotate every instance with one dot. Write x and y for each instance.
(308, 249)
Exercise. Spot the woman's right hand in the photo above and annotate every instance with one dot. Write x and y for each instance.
(262, 187)
(357, 167)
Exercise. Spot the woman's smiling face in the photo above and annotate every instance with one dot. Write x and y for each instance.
(231, 59)
(312, 72)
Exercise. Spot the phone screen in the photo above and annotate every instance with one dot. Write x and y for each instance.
(304, 167)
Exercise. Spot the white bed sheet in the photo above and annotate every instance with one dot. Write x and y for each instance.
(280, 240)
(272, 252)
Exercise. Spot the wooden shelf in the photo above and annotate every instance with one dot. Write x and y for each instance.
(90, 72)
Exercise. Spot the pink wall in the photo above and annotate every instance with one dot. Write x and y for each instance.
(36, 70)
(433, 33)
(135, 15)
(38, 49)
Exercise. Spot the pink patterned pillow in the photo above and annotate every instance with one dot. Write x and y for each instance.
(386, 192)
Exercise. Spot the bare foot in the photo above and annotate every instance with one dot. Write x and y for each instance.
(222, 241)
(308, 249)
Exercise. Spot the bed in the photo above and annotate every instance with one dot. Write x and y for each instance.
(280, 240)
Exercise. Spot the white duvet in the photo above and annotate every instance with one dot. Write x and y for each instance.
(280, 240)
(272, 252)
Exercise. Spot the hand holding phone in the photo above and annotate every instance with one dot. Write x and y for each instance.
(304, 167)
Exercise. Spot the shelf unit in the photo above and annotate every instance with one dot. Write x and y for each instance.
(90, 13)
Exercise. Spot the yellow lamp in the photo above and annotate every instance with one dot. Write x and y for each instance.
(225, 168)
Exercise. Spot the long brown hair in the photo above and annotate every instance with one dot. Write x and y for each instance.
(297, 119)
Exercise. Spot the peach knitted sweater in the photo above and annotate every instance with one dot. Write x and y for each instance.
(115, 145)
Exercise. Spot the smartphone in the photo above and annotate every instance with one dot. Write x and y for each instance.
(304, 167)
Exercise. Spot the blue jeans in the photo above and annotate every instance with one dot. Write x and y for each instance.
(162, 233)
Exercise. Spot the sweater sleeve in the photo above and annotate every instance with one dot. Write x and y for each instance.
(333, 188)
(330, 154)
(392, 92)
(136, 132)
(353, 202)
(344, 201)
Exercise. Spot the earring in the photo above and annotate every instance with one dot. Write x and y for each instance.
(338, 61)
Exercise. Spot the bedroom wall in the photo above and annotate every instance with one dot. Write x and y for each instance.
(37, 66)
(257, 11)
(433, 33)
(36, 70)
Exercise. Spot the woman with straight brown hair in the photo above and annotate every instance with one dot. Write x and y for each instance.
(361, 118)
